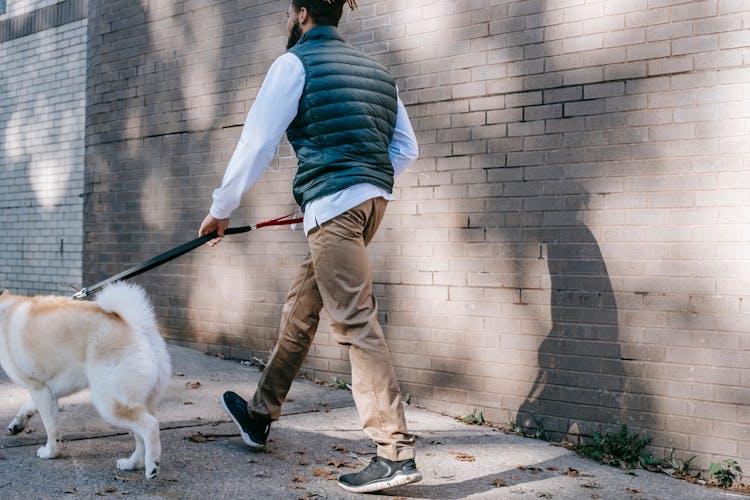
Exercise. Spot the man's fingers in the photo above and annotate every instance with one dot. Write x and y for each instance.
(221, 226)
(205, 227)
(211, 224)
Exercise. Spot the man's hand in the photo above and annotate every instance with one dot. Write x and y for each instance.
(211, 224)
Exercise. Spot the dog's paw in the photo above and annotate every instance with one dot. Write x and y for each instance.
(46, 452)
(15, 427)
(151, 472)
(128, 464)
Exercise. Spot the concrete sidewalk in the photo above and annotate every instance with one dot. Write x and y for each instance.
(318, 439)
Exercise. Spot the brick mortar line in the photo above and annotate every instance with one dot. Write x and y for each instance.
(561, 87)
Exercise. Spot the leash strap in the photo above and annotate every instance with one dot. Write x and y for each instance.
(181, 250)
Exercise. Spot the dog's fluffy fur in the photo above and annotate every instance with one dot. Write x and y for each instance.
(55, 346)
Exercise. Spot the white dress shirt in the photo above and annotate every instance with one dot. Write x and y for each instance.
(270, 115)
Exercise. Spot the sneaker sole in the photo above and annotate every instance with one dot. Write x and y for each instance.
(398, 480)
(244, 435)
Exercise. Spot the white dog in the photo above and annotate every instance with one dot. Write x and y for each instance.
(55, 346)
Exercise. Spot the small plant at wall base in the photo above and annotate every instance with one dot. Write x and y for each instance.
(726, 473)
(621, 448)
(513, 427)
(341, 384)
(626, 450)
(473, 418)
(539, 431)
(676, 467)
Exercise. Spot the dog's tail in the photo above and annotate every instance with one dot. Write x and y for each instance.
(131, 303)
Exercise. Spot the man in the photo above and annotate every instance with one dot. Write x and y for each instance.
(351, 134)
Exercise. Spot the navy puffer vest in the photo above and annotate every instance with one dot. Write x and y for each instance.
(346, 118)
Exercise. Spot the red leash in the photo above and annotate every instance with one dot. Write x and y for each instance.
(281, 221)
(180, 250)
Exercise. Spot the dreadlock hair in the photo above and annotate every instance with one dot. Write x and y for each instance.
(325, 12)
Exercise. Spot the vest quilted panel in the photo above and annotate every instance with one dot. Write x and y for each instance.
(346, 118)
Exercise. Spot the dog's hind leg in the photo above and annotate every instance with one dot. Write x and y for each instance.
(46, 403)
(146, 429)
(27, 411)
(152, 445)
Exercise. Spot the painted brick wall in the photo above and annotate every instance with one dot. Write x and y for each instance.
(42, 114)
(18, 7)
(570, 249)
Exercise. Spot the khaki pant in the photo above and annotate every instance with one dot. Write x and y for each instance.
(335, 274)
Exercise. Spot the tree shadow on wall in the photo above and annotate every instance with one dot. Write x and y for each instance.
(581, 377)
(156, 154)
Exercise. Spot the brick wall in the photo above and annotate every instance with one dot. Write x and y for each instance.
(18, 7)
(42, 113)
(571, 249)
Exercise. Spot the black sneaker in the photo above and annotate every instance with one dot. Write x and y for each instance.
(381, 474)
(254, 431)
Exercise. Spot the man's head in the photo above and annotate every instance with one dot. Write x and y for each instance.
(303, 15)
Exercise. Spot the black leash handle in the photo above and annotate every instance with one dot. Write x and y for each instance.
(165, 257)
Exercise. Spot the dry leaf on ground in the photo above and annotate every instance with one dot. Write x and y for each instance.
(197, 437)
(325, 474)
(533, 470)
(339, 464)
(591, 485)
(462, 457)
(125, 479)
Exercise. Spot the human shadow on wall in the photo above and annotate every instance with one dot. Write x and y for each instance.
(581, 377)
